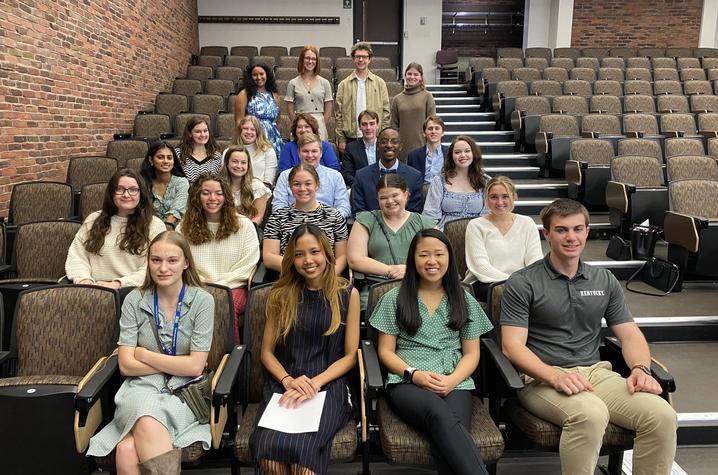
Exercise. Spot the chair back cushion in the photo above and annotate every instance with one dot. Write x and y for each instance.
(41, 248)
(223, 333)
(694, 198)
(638, 171)
(40, 201)
(456, 232)
(255, 314)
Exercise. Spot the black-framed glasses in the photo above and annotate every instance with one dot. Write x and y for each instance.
(390, 141)
(119, 191)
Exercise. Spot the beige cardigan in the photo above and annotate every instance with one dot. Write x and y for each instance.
(345, 113)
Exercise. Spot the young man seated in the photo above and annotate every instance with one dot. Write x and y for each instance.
(550, 326)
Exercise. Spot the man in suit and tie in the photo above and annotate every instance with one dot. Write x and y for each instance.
(361, 152)
(429, 159)
(363, 196)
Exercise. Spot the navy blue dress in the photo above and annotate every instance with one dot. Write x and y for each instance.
(307, 351)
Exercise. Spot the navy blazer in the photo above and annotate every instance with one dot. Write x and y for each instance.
(363, 197)
(417, 158)
(353, 160)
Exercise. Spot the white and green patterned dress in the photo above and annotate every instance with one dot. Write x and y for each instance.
(142, 395)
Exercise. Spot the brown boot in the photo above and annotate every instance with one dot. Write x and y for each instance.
(168, 463)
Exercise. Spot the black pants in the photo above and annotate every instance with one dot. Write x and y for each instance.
(444, 421)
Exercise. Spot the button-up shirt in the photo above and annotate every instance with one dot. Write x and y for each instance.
(332, 191)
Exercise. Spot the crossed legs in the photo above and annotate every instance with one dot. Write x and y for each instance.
(147, 439)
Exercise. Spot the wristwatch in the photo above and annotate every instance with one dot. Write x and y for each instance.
(643, 368)
(409, 374)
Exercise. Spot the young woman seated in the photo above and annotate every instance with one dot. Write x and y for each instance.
(198, 151)
(110, 249)
(304, 183)
(379, 240)
(429, 343)
(250, 134)
(458, 191)
(309, 344)
(302, 124)
(249, 192)
(500, 242)
(223, 242)
(166, 181)
(151, 426)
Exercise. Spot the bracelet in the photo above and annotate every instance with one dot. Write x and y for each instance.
(281, 381)
(642, 367)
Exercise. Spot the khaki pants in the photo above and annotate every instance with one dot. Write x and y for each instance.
(584, 417)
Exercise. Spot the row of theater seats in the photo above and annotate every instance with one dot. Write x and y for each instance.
(276, 51)
(618, 52)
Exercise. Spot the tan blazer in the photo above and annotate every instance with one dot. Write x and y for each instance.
(345, 113)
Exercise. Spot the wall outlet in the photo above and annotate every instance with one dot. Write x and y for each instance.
(422, 21)
(406, 35)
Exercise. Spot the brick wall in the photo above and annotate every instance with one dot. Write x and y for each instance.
(73, 72)
(480, 41)
(636, 23)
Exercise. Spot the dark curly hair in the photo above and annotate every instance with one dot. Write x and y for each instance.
(270, 85)
(136, 237)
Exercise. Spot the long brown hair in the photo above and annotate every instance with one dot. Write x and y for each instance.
(286, 293)
(189, 276)
(187, 144)
(194, 224)
(477, 178)
(136, 236)
(246, 195)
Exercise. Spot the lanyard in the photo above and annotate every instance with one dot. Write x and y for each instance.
(175, 328)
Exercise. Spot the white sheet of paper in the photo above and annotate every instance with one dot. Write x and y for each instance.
(303, 418)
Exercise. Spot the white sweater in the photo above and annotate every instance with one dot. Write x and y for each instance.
(229, 261)
(111, 263)
(492, 257)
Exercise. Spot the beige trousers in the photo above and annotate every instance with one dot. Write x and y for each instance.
(584, 417)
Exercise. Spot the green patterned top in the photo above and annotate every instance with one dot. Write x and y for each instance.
(435, 347)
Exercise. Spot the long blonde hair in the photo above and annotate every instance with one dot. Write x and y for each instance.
(286, 293)
(261, 143)
(245, 205)
(189, 276)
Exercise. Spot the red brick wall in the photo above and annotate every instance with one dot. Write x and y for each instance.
(483, 42)
(636, 23)
(74, 72)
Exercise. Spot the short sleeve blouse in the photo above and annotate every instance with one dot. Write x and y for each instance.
(435, 347)
(381, 245)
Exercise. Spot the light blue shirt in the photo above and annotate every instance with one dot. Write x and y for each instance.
(332, 191)
(393, 167)
(434, 163)
(370, 152)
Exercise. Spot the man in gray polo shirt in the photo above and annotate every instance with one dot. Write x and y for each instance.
(550, 326)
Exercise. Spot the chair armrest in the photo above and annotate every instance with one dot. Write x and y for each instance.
(92, 389)
(708, 134)
(228, 376)
(121, 136)
(497, 100)
(664, 378)
(543, 139)
(617, 196)
(588, 135)
(682, 230)
(502, 364)
(372, 369)
(259, 276)
(574, 173)
(517, 119)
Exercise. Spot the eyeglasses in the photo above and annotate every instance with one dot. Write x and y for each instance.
(119, 191)
(310, 60)
(390, 141)
(361, 56)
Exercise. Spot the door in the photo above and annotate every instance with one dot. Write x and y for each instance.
(379, 23)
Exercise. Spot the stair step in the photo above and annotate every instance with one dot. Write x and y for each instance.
(457, 100)
(484, 136)
(449, 93)
(514, 172)
(469, 125)
(530, 206)
(443, 109)
(445, 87)
(491, 146)
(468, 116)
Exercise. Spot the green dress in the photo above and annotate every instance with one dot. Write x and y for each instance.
(143, 395)
(382, 243)
(435, 347)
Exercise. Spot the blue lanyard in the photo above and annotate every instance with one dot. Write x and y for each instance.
(175, 329)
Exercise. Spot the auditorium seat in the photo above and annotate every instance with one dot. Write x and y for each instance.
(525, 119)
(639, 103)
(489, 77)
(182, 119)
(638, 62)
(536, 63)
(510, 63)
(570, 105)
(638, 87)
(572, 53)
(381, 62)
(588, 171)
(295, 51)
(504, 90)
(477, 65)
(636, 192)
(387, 74)
(606, 104)
(709, 63)
(652, 52)
(664, 63)
(282, 85)
(588, 62)
(393, 88)
(226, 126)
(566, 63)
(577, 87)
(171, 104)
(683, 146)
(665, 74)
(705, 52)
(598, 53)
(638, 125)
(187, 87)
(135, 163)
(609, 87)
(276, 51)
(546, 88)
(342, 74)
(150, 126)
(679, 52)
(697, 87)
(600, 125)
(539, 53)
(691, 167)
(124, 149)
(555, 134)
(39, 201)
(219, 87)
(708, 124)
(238, 61)
(612, 62)
(344, 62)
(526, 74)
(688, 63)
(641, 147)
(611, 74)
(690, 74)
(672, 103)
(509, 53)
(91, 199)
(678, 125)
(247, 51)
(201, 73)
(268, 61)
(220, 51)
(84, 170)
(333, 52)
(211, 61)
(691, 229)
(287, 62)
(55, 353)
(623, 52)
(559, 75)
